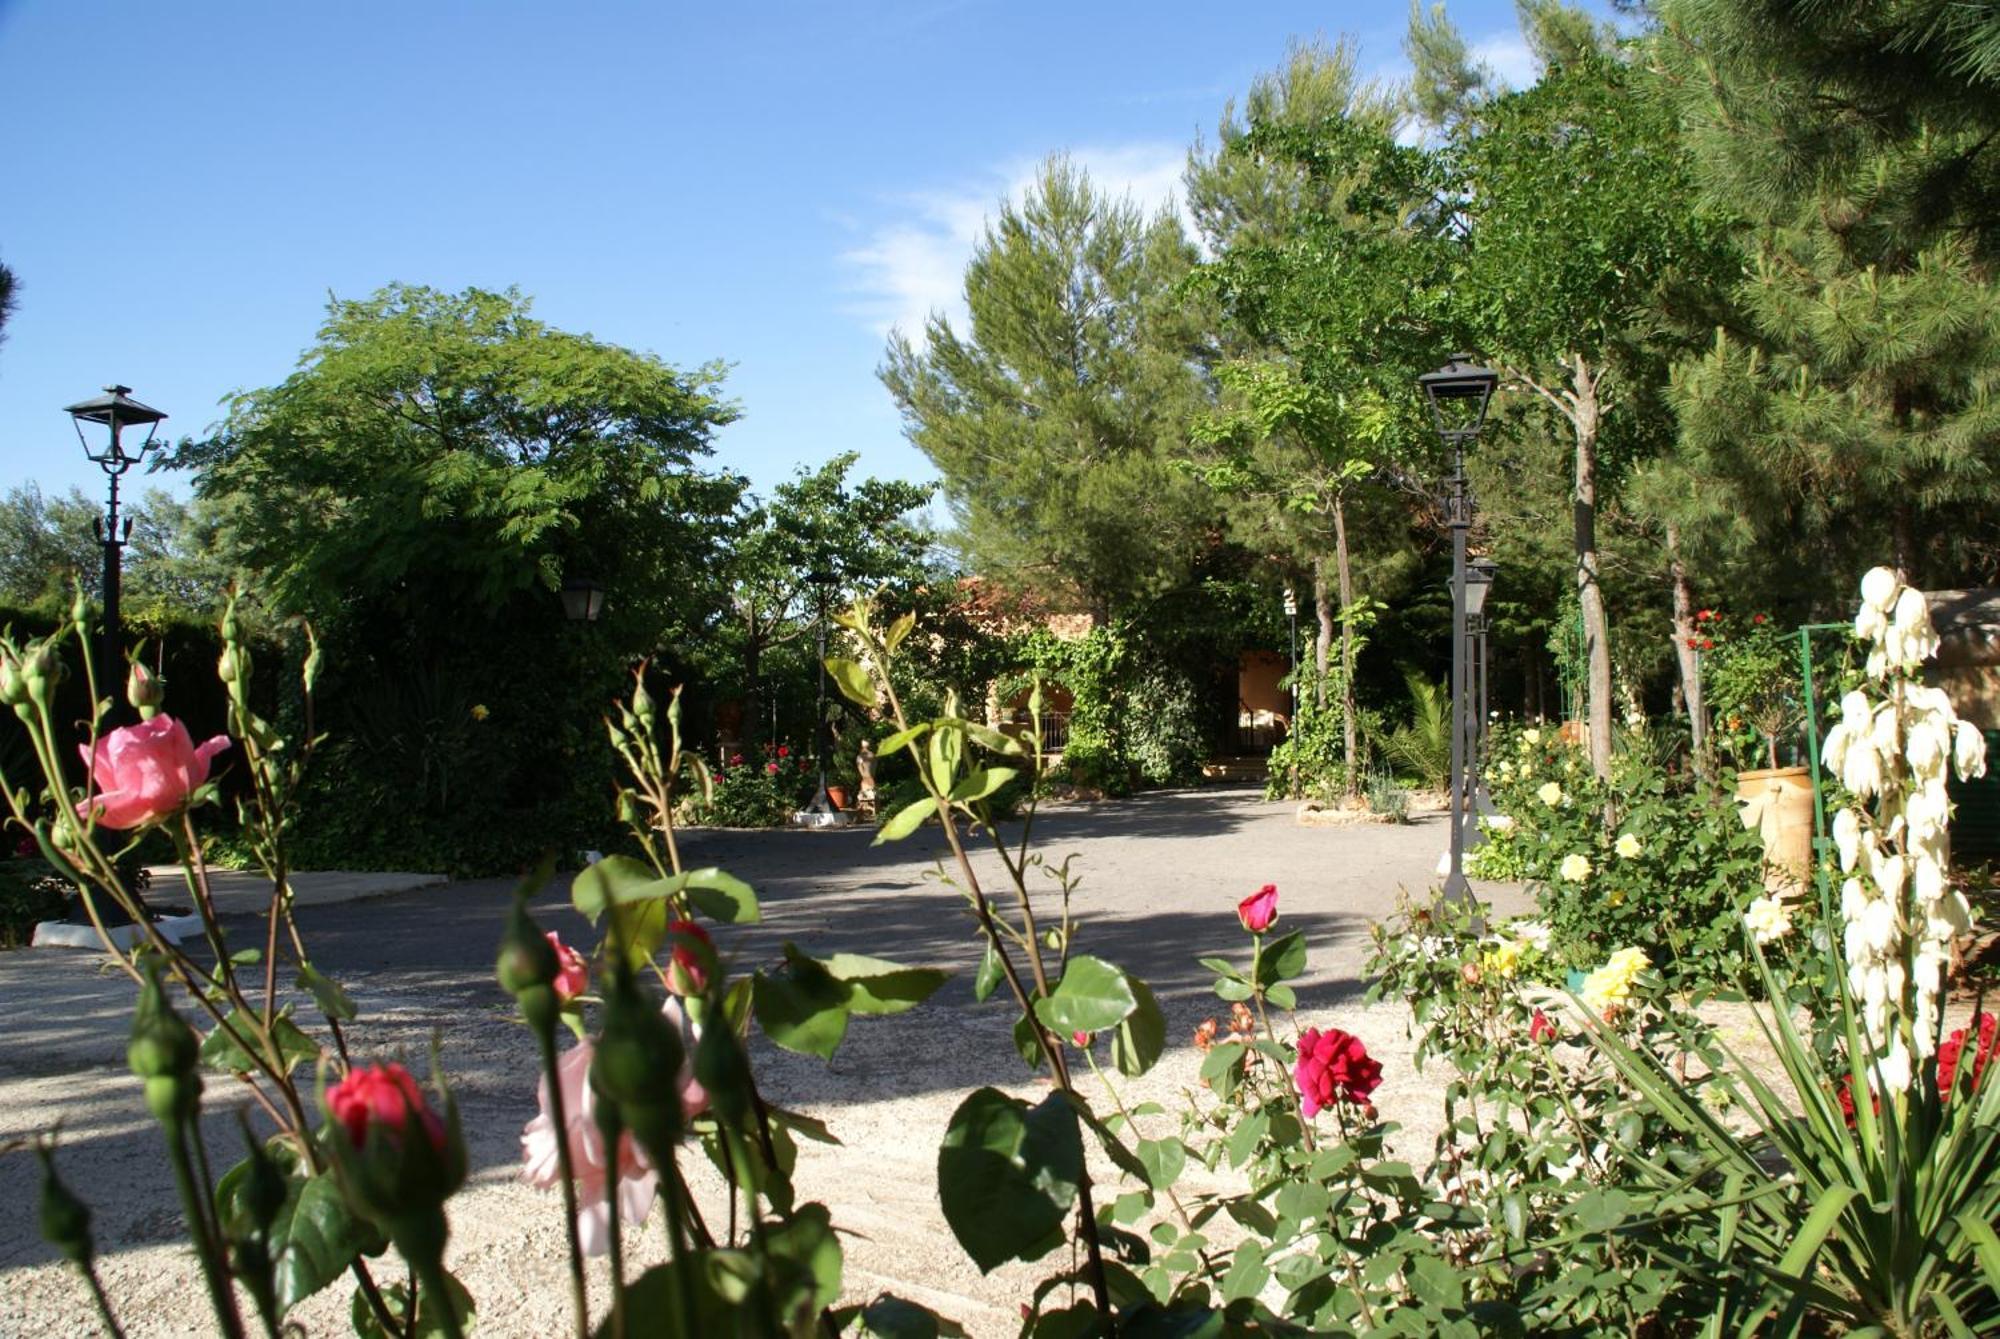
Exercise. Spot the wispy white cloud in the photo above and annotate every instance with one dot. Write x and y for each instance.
(1508, 56)
(912, 264)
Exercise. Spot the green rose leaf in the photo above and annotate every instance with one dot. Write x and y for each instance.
(723, 898)
(1008, 1174)
(428, 1323)
(1027, 1042)
(1093, 996)
(899, 630)
(315, 1238)
(998, 741)
(902, 739)
(802, 1006)
(327, 993)
(878, 987)
(852, 680)
(220, 1051)
(1282, 960)
(906, 820)
(890, 1317)
(1142, 1037)
(981, 782)
(1163, 1160)
(615, 879)
(1247, 1272)
(807, 1241)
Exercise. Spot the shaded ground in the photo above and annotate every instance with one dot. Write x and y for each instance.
(1161, 875)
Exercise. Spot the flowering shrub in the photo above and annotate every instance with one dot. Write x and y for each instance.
(1672, 874)
(762, 792)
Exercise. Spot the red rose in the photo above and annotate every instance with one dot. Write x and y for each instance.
(1542, 1028)
(382, 1097)
(1693, 643)
(784, 752)
(771, 768)
(693, 957)
(1952, 1050)
(735, 760)
(1259, 910)
(1704, 616)
(1334, 1066)
(1707, 644)
(1757, 619)
(1083, 1039)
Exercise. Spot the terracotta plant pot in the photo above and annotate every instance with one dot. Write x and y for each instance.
(1778, 802)
(838, 794)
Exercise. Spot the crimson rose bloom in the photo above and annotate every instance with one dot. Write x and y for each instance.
(384, 1097)
(145, 772)
(1259, 911)
(1542, 1028)
(1334, 1066)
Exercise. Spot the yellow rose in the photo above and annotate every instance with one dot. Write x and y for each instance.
(1550, 794)
(1575, 868)
(1504, 958)
(1628, 846)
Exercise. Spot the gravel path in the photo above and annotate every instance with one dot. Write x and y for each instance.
(1161, 875)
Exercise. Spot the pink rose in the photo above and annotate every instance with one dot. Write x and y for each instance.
(572, 972)
(1259, 911)
(1334, 1066)
(382, 1097)
(634, 1179)
(145, 772)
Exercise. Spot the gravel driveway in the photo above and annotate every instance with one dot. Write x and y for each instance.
(1161, 875)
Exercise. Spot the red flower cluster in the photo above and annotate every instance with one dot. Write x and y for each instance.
(1334, 1067)
(1705, 616)
(1952, 1050)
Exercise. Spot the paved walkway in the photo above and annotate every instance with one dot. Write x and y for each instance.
(246, 892)
(1161, 875)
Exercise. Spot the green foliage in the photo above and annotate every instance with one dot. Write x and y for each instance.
(419, 488)
(1423, 747)
(1751, 689)
(29, 895)
(746, 793)
(1311, 759)
(170, 572)
(1052, 419)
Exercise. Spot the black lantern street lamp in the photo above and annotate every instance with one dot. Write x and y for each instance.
(1479, 573)
(116, 410)
(582, 599)
(1459, 394)
(823, 581)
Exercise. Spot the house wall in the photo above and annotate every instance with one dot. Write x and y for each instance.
(1257, 685)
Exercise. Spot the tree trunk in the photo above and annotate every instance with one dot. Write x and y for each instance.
(1684, 653)
(1349, 735)
(1323, 644)
(1589, 591)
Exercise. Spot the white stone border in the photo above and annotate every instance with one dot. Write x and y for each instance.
(62, 934)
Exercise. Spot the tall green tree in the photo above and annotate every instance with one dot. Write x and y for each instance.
(1855, 385)
(420, 488)
(864, 535)
(1315, 218)
(1055, 418)
(48, 544)
(1583, 244)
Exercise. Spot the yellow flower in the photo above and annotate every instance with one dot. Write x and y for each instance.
(1550, 794)
(1575, 868)
(1617, 898)
(1531, 737)
(479, 712)
(1503, 959)
(1628, 846)
(1608, 988)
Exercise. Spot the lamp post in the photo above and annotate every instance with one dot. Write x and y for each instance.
(1479, 573)
(582, 599)
(116, 410)
(823, 580)
(1459, 393)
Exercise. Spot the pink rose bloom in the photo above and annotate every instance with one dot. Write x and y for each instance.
(145, 772)
(1334, 1066)
(385, 1097)
(572, 972)
(634, 1179)
(1259, 911)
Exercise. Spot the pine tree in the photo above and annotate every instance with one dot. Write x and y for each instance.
(1056, 418)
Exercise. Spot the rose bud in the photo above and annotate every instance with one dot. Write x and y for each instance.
(65, 1219)
(636, 1062)
(693, 960)
(1542, 1028)
(573, 976)
(1469, 973)
(398, 1160)
(145, 691)
(164, 1052)
(1259, 911)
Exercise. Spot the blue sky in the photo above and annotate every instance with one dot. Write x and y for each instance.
(770, 184)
